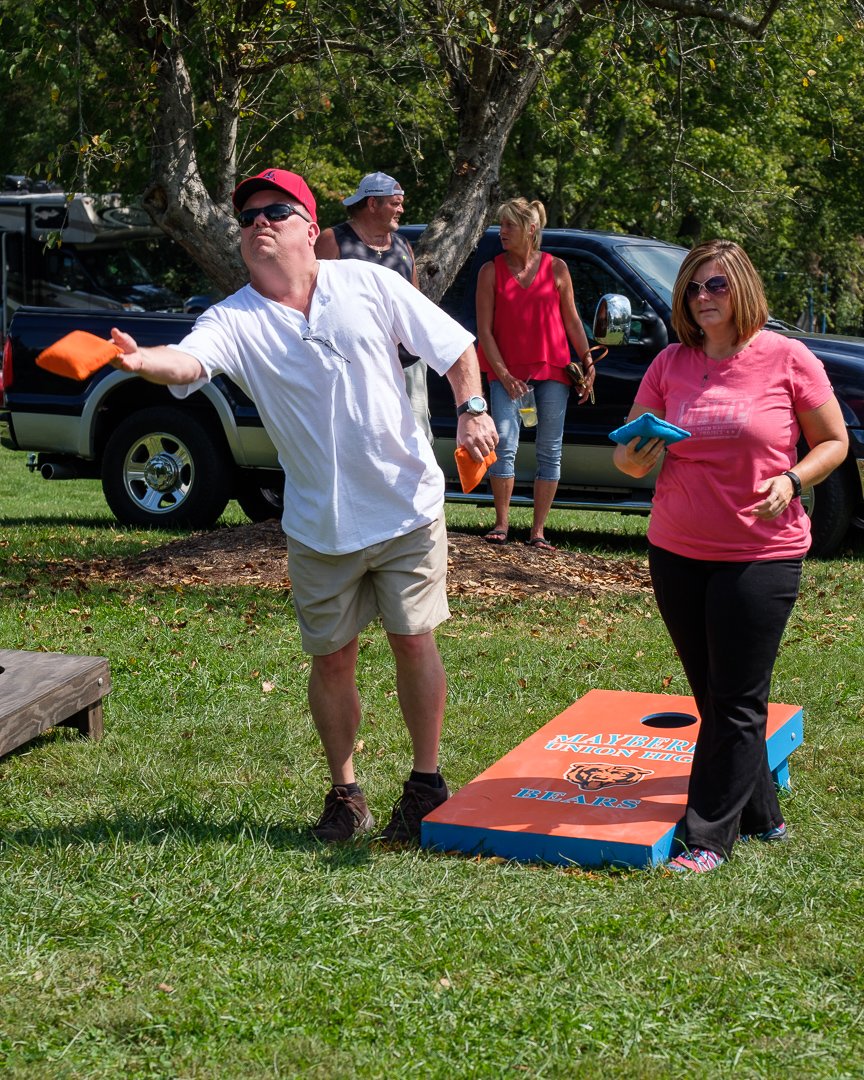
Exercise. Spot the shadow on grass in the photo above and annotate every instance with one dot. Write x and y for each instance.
(597, 541)
(48, 520)
(110, 523)
(585, 541)
(183, 827)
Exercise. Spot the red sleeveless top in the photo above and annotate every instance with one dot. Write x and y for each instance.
(527, 325)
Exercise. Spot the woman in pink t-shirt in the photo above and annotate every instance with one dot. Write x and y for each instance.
(526, 322)
(728, 533)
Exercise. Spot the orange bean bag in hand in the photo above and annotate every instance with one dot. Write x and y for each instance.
(77, 355)
(471, 472)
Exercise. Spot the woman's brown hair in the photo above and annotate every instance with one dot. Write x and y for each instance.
(749, 306)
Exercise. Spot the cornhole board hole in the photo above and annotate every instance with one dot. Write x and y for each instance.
(605, 782)
(44, 690)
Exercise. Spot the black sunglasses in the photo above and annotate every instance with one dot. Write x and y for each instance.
(716, 286)
(274, 212)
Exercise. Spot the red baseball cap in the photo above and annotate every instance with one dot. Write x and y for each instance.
(280, 180)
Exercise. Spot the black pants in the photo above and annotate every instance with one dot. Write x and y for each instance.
(726, 620)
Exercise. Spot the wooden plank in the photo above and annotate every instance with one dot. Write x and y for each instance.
(88, 722)
(42, 690)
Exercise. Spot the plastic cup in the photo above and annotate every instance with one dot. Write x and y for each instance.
(527, 409)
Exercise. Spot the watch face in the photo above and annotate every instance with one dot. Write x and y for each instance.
(474, 406)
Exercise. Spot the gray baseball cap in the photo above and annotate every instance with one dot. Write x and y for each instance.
(376, 184)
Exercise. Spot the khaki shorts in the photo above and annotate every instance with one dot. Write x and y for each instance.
(403, 580)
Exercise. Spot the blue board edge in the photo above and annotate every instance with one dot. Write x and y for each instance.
(543, 847)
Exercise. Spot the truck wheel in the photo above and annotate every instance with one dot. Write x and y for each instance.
(260, 502)
(831, 506)
(163, 469)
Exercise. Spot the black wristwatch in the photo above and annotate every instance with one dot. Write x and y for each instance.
(796, 483)
(474, 406)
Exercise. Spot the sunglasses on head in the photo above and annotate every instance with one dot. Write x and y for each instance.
(716, 286)
(274, 212)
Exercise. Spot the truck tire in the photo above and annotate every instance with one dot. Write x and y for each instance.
(163, 469)
(831, 506)
(261, 502)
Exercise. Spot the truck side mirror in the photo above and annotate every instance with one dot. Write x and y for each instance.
(612, 320)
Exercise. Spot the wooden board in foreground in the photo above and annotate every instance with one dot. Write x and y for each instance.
(42, 690)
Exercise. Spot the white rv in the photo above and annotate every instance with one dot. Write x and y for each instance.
(74, 251)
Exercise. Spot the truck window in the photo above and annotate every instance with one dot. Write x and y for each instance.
(453, 301)
(591, 280)
(13, 246)
(63, 269)
(658, 266)
(113, 267)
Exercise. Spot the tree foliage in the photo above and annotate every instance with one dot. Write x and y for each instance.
(677, 118)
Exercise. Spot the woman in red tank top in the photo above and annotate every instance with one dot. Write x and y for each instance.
(526, 323)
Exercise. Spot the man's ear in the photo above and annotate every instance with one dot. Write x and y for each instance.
(314, 233)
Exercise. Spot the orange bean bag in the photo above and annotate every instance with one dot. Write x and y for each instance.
(471, 472)
(77, 355)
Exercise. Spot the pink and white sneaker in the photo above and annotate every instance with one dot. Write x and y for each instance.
(696, 861)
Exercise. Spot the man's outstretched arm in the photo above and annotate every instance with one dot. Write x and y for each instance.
(159, 364)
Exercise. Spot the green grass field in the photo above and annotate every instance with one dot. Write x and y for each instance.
(163, 914)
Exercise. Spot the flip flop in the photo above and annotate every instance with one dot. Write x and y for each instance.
(496, 537)
(541, 543)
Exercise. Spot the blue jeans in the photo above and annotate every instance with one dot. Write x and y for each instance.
(551, 398)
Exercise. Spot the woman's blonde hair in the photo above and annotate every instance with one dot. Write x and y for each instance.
(523, 215)
(746, 292)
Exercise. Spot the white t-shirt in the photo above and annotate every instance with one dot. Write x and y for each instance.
(331, 396)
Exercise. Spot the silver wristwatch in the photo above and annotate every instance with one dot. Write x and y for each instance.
(474, 406)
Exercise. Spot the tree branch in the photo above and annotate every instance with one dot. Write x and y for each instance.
(301, 54)
(696, 9)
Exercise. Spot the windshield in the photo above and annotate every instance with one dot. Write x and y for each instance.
(657, 266)
(113, 268)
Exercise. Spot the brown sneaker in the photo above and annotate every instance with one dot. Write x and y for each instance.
(345, 815)
(416, 802)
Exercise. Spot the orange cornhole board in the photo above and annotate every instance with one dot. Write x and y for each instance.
(604, 782)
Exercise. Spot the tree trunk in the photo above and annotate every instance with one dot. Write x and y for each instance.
(487, 118)
(177, 199)
(491, 83)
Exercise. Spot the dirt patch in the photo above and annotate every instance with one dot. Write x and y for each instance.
(255, 555)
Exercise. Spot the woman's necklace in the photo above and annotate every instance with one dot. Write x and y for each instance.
(520, 275)
(712, 363)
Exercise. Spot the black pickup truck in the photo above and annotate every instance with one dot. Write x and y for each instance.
(171, 463)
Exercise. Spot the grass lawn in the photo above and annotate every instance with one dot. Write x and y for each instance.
(162, 913)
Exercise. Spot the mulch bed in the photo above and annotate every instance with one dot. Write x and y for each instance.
(254, 555)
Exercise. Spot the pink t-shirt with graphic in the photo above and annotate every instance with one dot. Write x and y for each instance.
(741, 413)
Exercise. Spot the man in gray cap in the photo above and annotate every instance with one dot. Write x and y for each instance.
(313, 346)
(371, 234)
